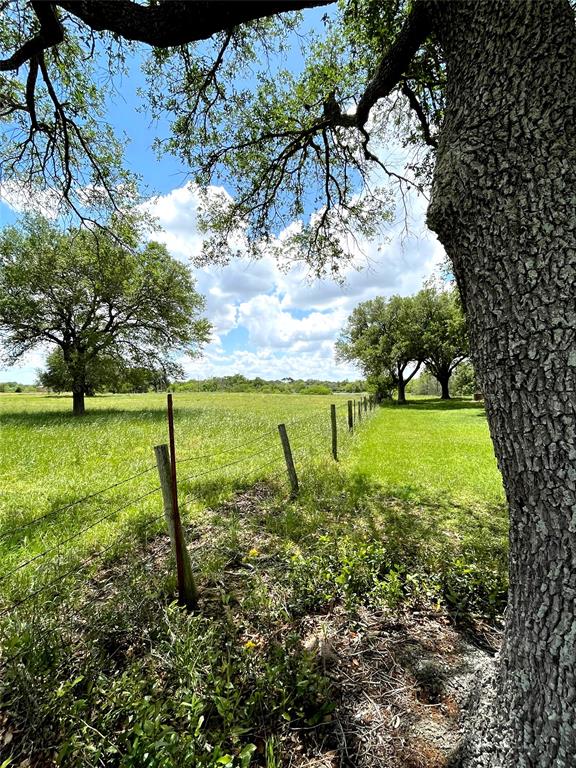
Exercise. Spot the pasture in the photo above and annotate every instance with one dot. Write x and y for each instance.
(411, 518)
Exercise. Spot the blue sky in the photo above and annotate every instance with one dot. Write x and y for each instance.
(268, 321)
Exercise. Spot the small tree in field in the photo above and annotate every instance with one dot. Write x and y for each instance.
(95, 300)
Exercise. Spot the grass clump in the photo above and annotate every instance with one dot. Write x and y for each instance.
(373, 549)
(135, 681)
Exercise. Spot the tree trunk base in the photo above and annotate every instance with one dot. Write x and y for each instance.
(78, 407)
(482, 729)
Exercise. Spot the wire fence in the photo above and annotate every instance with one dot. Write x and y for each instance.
(266, 456)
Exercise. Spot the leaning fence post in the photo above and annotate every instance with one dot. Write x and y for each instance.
(293, 477)
(350, 416)
(187, 592)
(334, 432)
(166, 463)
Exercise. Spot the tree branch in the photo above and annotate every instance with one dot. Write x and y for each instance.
(416, 107)
(176, 22)
(51, 33)
(394, 64)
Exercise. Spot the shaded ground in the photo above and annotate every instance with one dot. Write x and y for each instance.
(386, 684)
(401, 685)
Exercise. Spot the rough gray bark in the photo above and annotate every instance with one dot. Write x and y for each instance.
(503, 206)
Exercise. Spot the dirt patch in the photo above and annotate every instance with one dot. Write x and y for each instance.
(402, 684)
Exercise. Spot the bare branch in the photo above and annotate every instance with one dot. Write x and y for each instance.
(176, 22)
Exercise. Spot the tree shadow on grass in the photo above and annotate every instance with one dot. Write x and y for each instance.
(93, 417)
(436, 404)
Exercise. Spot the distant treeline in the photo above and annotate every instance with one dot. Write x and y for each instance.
(239, 383)
(14, 386)
(236, 383)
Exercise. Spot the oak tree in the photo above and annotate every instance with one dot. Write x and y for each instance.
(384, 337)
(96, 301)
(444, 336)
(485, 93)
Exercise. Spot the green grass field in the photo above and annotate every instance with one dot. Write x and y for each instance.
(50, 459)
(413, 514)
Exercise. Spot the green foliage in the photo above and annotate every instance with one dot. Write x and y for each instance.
(95, 299)
(424, 384)
(103, 374)
(464, 382)
(391, 338)
(201, 698)
(239, 383)
(316, 389)
(14, 386)
(444, 332)
(56, 149)
(384, 336)
(288, 145)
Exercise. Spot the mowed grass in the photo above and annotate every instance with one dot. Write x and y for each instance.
(432, 450)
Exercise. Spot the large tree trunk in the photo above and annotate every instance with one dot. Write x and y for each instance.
(78, 402)
(401, 389)
(444, 386)
(503, 205)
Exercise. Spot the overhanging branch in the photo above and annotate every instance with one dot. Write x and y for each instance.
(176, 22)
(396, 61)
(51, 33)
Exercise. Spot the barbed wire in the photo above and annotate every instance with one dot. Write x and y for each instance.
(314, 429)
(68, 592)
(79, 533)
(62, 576)
(225, 466)
(54, 512)
(266, 435)
(241, 460)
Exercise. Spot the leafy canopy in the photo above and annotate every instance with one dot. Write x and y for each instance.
(102, 374)
(383, 336)
(297, 146)
(391, 338)
(83, 292)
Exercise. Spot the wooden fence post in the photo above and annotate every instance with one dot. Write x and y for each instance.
(334, 432)
(187, 592)
(365, 404)
(359, 411)
(293, 477)
(350, 416)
